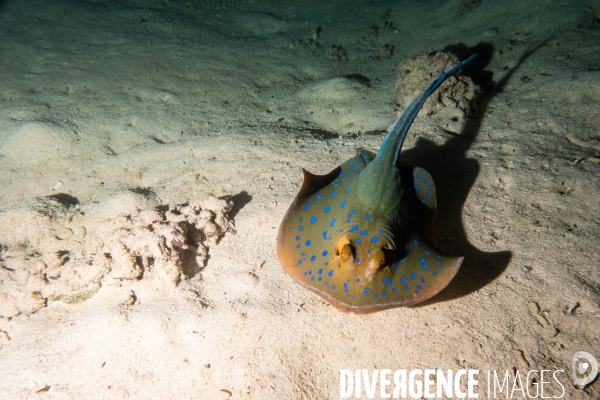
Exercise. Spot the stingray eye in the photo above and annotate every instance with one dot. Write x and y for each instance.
(347, 252)
(379, 259)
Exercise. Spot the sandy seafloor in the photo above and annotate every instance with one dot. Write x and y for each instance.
(109, 107)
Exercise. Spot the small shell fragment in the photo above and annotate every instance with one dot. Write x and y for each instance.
(79, 231)
(64, 233)
(57, 185)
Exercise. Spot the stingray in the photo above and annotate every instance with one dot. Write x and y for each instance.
(360, 236)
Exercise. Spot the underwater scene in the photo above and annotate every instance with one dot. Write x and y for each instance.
(270, 199)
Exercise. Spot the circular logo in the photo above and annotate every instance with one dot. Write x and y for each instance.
(584, 368)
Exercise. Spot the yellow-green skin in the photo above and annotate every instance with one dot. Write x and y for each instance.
(357, 236)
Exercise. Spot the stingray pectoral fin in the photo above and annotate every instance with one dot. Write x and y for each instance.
(420, 275)
(312, 183)
(449, 266)
(419, 192)
(366, 155)
(308, 217)
(424, 188)
(293, 227)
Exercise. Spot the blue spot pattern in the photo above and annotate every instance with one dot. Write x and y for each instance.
(368, 224)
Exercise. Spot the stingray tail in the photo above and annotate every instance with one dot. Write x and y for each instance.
(397, 133)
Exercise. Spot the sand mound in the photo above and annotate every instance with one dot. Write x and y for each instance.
(258, 24)
(454, 100)
(339, 104)
(36, 143)
(53, 251)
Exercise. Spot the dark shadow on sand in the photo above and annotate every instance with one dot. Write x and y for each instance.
(239, 201)
(454, 175)
(64, 199)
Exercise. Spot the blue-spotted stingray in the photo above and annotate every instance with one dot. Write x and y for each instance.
(360, 236)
